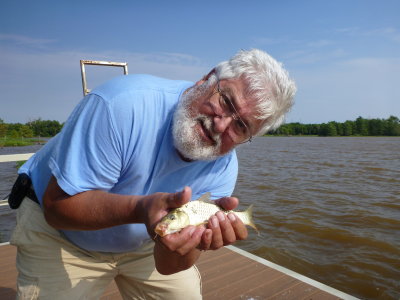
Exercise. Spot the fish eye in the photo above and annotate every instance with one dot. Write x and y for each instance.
(172, 217)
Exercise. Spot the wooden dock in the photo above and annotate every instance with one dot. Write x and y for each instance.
(229, 273)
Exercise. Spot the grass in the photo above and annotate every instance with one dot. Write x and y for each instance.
(18, 142)
(18, 164)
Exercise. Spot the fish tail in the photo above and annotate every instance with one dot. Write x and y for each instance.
(249, 214)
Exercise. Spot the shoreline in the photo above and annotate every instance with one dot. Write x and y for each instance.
(332, 136)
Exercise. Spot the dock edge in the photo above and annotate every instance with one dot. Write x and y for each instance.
(293, 274)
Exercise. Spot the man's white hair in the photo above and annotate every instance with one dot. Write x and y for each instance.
(268, 83)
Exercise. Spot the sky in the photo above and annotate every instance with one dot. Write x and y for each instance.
(344, 55)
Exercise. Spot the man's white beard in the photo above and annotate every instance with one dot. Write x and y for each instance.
(187, 140)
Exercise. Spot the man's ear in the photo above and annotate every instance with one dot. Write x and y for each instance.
(205, 78)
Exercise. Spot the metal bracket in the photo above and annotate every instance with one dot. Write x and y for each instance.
(98, 63)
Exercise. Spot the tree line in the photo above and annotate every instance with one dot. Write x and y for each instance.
(359, 127)
(36, 128)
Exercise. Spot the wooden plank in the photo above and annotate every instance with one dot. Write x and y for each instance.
(299, 290)
(8, 273)
(244, 278)
(225, 273)
(8, 277)
(15, 157)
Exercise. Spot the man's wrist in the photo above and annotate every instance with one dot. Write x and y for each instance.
(137, 209)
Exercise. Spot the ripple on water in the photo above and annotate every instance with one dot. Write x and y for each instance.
(327, 208)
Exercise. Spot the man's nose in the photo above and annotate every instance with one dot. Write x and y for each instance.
(221, 123)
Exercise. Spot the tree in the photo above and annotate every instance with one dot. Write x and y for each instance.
(392, 126)
(348, 128)
(361, 126)
(376, 127)
(339, 128)
(45, 127)
(14, 134)
(3, 128)
(25, 131)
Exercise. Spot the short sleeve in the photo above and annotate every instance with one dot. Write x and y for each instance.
(88, 155)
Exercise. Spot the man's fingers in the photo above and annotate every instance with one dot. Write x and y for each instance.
(184, 241)
(179, 198)
(228, 234)
(176, 240)
(217, 240)
(206, 239)
(193, 242)
(226, 229)
(227, 203)
(238, 227)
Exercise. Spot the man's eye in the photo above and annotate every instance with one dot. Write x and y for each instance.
(229, 104)
(224, 101)
(241, 127)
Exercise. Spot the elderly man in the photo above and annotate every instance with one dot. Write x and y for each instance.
(132, 150)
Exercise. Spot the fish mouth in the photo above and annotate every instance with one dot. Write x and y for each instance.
(161, 229)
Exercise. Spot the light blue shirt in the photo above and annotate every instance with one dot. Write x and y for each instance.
(119, 140)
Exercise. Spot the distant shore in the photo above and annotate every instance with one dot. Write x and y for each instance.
(19, 142)
(330, 136)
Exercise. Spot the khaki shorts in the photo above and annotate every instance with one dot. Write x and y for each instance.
(50, 267)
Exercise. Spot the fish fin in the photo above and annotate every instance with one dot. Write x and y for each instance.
(206, 198)
(249, 213)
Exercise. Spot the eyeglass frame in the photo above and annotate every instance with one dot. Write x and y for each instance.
(234, 115)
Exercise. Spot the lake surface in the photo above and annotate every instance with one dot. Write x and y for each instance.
(328, 208)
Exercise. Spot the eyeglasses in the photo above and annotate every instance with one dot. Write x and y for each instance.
(240, 129)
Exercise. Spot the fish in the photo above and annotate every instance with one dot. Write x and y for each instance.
(198, 212)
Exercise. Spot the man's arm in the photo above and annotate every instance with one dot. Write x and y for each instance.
(92, 210)
(95, 209)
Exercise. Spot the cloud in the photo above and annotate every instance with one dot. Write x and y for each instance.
(347, 89)
(172, 58)
(47, 84)
(305, 51)
(308, 56)
(293, 42)
(269, 41)
(25, 40)
(320, 43)
(388, 33)
(348, 30)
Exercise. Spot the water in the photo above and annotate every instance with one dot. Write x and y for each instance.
(327, 208)
(8, 174)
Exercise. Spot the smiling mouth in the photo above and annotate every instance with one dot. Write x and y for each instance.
(206, 132)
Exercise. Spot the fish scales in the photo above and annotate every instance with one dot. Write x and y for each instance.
(196, 213)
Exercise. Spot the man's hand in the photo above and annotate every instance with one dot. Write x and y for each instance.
(174, 252)
(152, 208)
(178, 251)
(223, 229)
